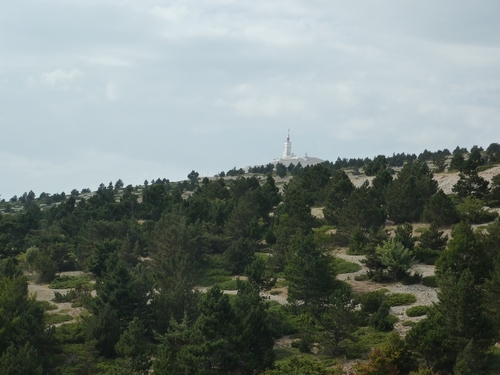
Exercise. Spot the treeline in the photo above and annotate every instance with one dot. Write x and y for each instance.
(161, 260)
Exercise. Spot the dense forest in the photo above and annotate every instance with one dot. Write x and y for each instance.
(207, 276)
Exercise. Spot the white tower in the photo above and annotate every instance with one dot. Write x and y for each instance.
(287, 151)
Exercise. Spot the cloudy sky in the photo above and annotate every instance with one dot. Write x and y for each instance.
(96, 90)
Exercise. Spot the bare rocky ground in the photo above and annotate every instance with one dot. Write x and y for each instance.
(425, 295)
(42, 292)
(445, 180)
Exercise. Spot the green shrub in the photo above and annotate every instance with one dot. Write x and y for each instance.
(304, 344)
(362, 277)
(396, 258)
(430, 281)
(401, 299)
(342, 266)
(382, 320)
(416, 278)
(408, 323)
(51, 319)
(47, 306)
(363, 340)
(371, 301)
(79, 296)
(483, 168)
(228, 285)
(281, 320)
(472, 209)
(358, 242)
(69, 282)
(68, 297)
(214, 273)
(426, 256)
(417, 311)
(71, 333)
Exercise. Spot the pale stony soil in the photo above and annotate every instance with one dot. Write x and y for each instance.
(42, 292)
(425, 295)
(280, 298)
(445, 180)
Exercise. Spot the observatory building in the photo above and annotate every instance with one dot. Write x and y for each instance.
(289, 158)
(287, 151)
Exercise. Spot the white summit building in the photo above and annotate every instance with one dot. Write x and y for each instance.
(287, 151)
(289, 158)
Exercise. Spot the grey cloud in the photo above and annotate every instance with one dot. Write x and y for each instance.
(169, 86)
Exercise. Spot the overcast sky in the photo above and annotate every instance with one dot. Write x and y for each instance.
(93, 91)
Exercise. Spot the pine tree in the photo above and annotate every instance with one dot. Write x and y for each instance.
(21, 361)
(440, 210)
(308, 273)
(464, 252)
(461, 305)
(408, 194)
(132, 347)
(341, 188)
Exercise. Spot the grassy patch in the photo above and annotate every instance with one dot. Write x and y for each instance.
(214, 273)
(430, 281)
(261, 255)
(280, 283)
(417, 310)
(228, 285)
(392, 319)
(70, 282)
(401, 299)
(47, 306)
(284, 353)
(343, 266)
(362, 277)
(482, 168)
(409, 323)
(363, 340)
(51, 319)
(421, 229)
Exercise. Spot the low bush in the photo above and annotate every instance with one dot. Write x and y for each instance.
(430, 281)
(381, 320)
(364, 339)
(69, 282)
(228, 285)
(401, 299)
(371, 301)
(426, 256)
(417, 311)
(362, 277)
(79, 296)
(342, 266)
(51, 319)
(47, 306)
(281, 320)
(416, 278)
(409, 323)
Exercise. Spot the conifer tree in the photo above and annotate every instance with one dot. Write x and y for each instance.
(408, 194)
(464, 251)
(308, 273)
(340, 188)
(440, 210)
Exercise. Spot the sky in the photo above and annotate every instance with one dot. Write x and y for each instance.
(96, 91)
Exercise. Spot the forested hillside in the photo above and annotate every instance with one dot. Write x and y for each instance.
(236, 275)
